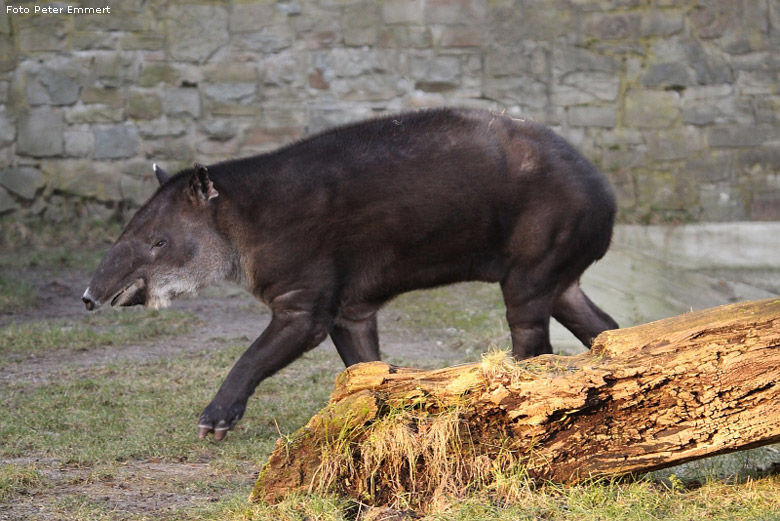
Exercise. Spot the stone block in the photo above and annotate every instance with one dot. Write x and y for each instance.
(7, 203)
(153, 74)
(767, 110)
(403, 11)
(765, 207)
(435, 73)
(270, 39)
(360, 25)
(50, 86)
(660, 191)
(24, 181)
(219, 129)
(719, 203)
(758, 83)
(709, 66)
(461, 36)
(41, 33)
(289, 8)
(144, 105)
(719, 110)
(651, 109)
(520, 91)
(284, 116)
(406, 36)
(506, 61)
(169, 149)
(230, 92)
(84, 178)
(109, 96)
(219, 149)
(195, 32)
(183, 102)
(348, 63)
(138, 189)
(116, 141)
(451, 12)
(667, 74)
(613, 26)
(371, 87)
(678, 143)
(95, 41)
(5, 24)
(506, 20)
(94, 114)
(711, 19)
(142, 42)
(593, 116)
(566, 59)
(567, 95)
(8, 55)
(738, 136)
(230, 72)
(162, 128)
(116, 69)
(328, 115)
(716, 167)
(288, 69)
(40, 133)
(7, 129)
(250, 17)
(661, 23)
(79, 142)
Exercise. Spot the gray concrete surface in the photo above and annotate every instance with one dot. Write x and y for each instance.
(653, 272)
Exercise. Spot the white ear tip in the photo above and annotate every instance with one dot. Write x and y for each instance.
(154, 167)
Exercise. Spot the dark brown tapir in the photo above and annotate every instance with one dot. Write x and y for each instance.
(328, 229)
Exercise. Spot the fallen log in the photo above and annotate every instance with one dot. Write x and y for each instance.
(643, 398)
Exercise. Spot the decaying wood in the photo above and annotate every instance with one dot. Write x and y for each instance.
(643, 398)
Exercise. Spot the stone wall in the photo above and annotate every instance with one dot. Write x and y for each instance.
(676, 100)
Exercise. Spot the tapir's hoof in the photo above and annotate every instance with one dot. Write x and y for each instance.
(219, 432)
(209, 421)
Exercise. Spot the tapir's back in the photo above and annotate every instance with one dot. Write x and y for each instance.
(424, 198)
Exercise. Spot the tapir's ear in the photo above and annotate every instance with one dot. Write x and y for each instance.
(201, 189)
(162, 175)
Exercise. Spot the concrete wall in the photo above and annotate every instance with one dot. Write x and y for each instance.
(676, 100)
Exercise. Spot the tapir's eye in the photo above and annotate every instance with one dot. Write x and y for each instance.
(160, 243)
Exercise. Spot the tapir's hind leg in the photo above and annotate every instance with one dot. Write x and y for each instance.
(580, 315)
(356, 340)
(529, 298)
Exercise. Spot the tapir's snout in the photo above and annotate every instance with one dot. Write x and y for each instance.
(88, 301)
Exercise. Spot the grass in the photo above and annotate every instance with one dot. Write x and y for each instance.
(18, 480)
(15, 294)
(469, 317)
(76, 443)
(100, 329)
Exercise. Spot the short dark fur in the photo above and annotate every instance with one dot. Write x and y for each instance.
(326, 230)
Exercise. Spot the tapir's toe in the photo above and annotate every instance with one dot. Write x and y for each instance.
(219, 421)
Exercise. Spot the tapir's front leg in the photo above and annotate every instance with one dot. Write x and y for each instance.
(290, 333)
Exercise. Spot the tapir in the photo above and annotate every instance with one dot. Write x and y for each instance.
(328, 229)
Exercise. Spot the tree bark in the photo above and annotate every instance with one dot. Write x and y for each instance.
(643, 398)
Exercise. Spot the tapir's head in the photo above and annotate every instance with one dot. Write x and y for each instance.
(171, 246)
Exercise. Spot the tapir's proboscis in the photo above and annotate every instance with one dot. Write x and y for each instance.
(328, 229)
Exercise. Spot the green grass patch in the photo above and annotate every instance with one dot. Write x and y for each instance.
(100, 329)
(19, 479)
(132, 411)
(470, 316)
(15, 294)
(86, 259)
